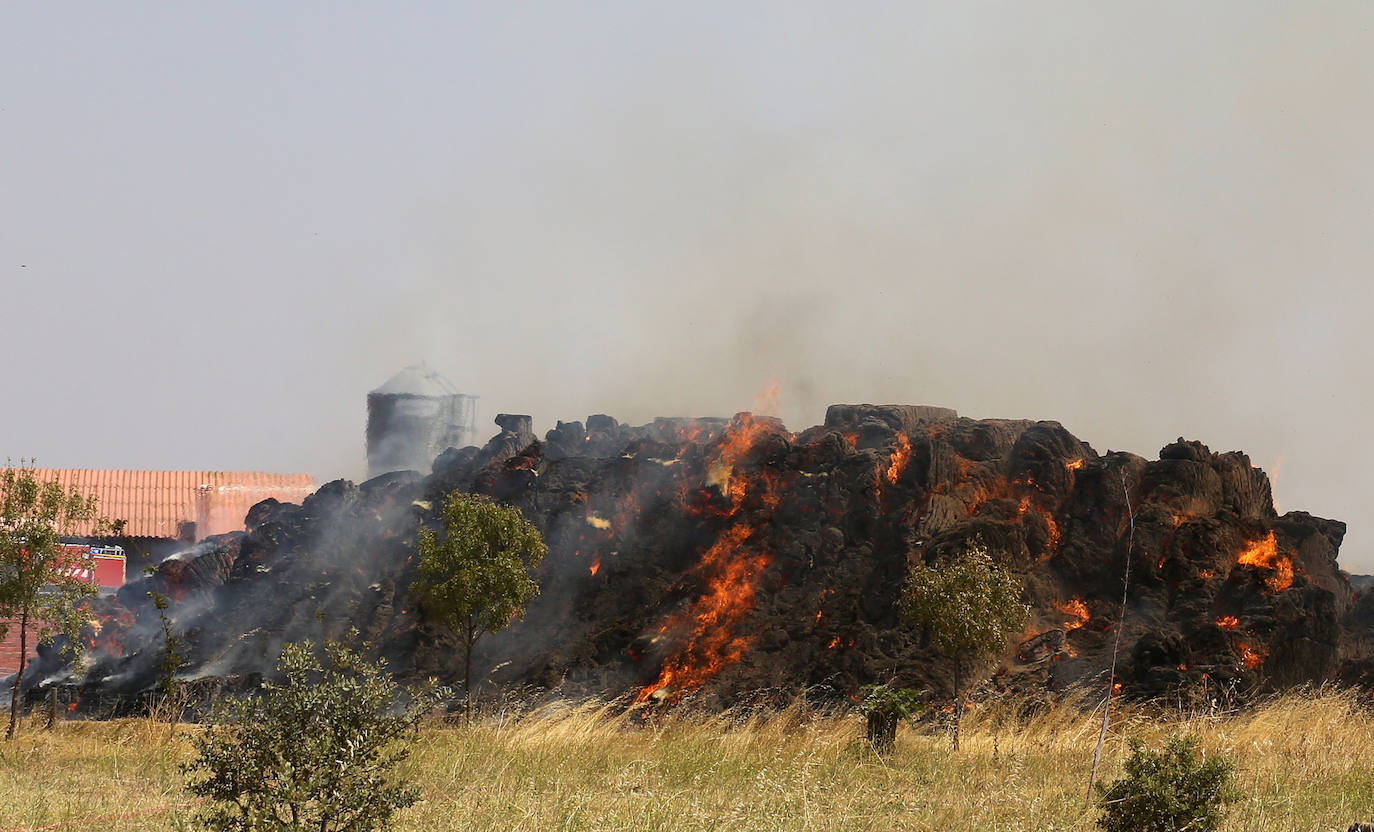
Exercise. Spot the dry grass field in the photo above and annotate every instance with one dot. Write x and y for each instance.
(1304, 762)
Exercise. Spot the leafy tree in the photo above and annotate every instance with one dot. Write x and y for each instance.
(171, 661)
(969, 606)
(475, 577)
(40, 586)
(315, 752)
(884, 706)
(1171, 790)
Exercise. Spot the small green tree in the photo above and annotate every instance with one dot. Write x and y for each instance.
(315, 752)
(169, 664)
(40, 587)
(475, 577)
(1173, 790)
(969, 605)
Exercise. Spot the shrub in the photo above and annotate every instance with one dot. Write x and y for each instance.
(313, 752)
(884, 706)
(1172, 790)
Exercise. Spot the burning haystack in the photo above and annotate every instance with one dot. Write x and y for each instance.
(720, 558)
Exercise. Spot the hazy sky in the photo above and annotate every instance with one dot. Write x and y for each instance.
(220, 228)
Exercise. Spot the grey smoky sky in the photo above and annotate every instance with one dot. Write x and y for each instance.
(222, 224)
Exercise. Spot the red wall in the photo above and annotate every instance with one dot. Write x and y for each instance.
(109, 574)
(9, 647)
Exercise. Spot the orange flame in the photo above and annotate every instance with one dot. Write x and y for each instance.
(736, 442)
(1264, 554)
(834, 641)
(729, 597)
(1030, 500)
(732, 573)
(106, 632)
(1228, 622)
(1074, 464)
(900, 457)
(595, 567)
(1078, 610)
(1251, 657)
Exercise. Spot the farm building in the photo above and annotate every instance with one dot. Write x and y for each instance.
(161, 511)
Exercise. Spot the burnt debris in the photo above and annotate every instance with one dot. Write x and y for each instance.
(719, 558)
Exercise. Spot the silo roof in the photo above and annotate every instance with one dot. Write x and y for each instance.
(417, 380)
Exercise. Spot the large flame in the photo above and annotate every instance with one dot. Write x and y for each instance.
(731, 572)
(901, 455)
(1265, 554)
(720, 471)
(1078, 610)
(1052, 543)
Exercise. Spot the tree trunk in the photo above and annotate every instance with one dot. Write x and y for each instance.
(958, 699)
(882, 731)
(467, 671)
(467, 674)
(174, 708)
(19, 677)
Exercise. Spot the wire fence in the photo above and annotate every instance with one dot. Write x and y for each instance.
(193, 701)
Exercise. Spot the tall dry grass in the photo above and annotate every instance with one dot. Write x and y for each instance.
(1304, 762)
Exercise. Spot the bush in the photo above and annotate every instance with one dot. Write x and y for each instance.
(884, 706)
(1172, 790)
(314, 752)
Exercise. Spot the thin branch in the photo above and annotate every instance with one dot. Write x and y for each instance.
(1116, 643)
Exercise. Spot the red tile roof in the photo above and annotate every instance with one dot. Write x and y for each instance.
(155, 503)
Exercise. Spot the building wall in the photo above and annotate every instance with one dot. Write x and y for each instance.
(104, 570)
(9, 646)
(176, 504)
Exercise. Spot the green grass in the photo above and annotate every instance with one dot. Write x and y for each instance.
(1304, 763)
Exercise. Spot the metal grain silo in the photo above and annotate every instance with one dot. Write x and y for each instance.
(413, 417)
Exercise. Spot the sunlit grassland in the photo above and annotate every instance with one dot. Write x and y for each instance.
(1304, 762)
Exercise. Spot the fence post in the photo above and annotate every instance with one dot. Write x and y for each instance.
(52, 709)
